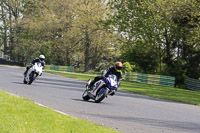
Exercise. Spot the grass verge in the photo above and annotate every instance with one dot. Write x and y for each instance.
(19, 115)
(169, 93)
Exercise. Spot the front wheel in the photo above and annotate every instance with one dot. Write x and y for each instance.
(85, 96)
(32, 77)
(101, 94)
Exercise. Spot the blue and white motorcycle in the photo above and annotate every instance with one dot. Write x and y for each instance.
(101, 89)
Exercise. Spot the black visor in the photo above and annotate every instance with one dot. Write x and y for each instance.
(41, 59)
(118, 68)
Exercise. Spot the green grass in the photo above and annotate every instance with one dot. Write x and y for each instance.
(19, 115)
(79, 76)
(169, 93)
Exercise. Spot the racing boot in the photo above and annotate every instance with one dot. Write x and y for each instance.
(27, 68)
(25, 73)
(87, 85)
(112, 93)
(91, 84)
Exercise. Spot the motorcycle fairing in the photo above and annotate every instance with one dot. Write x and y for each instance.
(101, 91)
(97, 86)
(37, 67)
(111, 82)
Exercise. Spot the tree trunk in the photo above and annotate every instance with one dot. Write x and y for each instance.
(4, 30)
(160, 58)
(168, 53)
(87, 50)
(11, 36)
(68, 56)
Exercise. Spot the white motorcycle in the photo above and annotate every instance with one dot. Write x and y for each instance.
(35, 71)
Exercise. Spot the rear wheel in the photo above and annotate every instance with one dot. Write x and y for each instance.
(101, 94)
(85, 96)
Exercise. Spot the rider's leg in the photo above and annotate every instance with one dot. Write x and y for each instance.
(95, 80)
(27, 68)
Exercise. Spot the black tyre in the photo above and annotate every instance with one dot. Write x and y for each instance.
(31, 78)
(85, 96)
(101, 95)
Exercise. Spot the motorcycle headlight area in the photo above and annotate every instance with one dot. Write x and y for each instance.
(111, 84)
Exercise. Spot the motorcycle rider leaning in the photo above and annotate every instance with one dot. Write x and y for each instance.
(38, 59)
(116, 70)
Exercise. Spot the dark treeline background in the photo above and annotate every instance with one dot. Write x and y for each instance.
(151, 36)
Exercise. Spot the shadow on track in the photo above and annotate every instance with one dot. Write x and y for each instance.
(18, 82)
(89, 101)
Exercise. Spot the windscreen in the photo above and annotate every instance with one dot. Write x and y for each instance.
(114, 77)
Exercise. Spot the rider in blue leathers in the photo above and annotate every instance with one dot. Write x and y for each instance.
(116, 70)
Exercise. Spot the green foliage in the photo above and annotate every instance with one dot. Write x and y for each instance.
(143, 56)
(159, 36)
(156, 36)
(66, 32)
(127, 67)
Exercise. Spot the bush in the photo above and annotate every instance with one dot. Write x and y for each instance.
(127, 67)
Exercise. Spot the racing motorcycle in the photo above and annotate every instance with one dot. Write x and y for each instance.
(101, 89)
(35, 71)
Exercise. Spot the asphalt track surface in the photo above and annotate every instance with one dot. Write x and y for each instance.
(129, 113)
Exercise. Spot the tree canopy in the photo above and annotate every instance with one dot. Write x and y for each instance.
(153, 36)
(66, 32)
(159, 36)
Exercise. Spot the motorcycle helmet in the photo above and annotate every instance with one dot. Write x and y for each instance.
(42, 57)
(118, 66)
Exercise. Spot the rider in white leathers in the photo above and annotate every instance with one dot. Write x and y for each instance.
(38, 59)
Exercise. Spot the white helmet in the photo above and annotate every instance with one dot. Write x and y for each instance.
(41, 57)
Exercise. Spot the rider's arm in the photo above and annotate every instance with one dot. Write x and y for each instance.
(33, 62)
(106, 72)
(118, 83)
(43, 64)
(119, 79)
